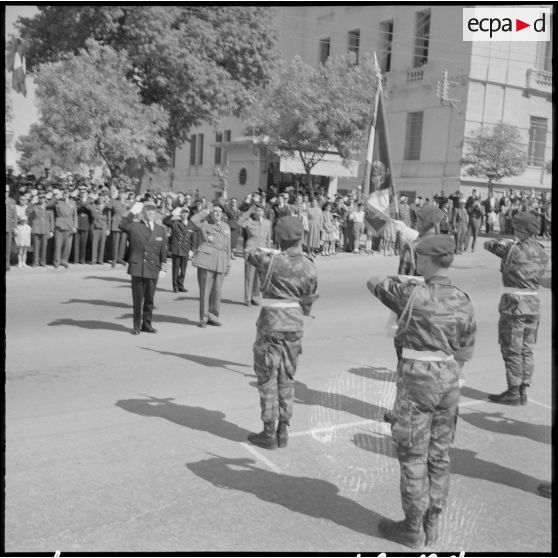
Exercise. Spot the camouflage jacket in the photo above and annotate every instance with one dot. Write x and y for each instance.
(523, 265)
(293, 277)
(439, 316)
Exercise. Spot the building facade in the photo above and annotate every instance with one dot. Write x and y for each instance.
(489, 83)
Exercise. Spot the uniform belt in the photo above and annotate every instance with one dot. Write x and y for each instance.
(279, 303)
(432, 356)
(519, 291)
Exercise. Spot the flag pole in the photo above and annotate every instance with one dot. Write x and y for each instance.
(370, 144)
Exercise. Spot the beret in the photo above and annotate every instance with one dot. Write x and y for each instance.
(149, 205)
(289, 229)
(436, 245)
(428, 216)
(526, 222)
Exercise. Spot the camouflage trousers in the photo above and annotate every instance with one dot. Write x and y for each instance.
(423, 428)
(517, 336)
(275, 359)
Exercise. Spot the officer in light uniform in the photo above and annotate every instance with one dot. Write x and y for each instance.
(437, 333)
(523, 265)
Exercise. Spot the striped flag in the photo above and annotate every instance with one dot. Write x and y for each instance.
(16, 65)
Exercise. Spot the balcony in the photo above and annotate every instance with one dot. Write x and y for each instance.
(538, 82)
(415, 74)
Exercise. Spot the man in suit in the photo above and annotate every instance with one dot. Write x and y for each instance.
(147, 259)
(213, 260)
(83, 225)
(182, 244)
(41, 221)
(65, 225)
(257, 234)
(11, 222)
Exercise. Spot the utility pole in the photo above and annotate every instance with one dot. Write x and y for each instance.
(443, 91)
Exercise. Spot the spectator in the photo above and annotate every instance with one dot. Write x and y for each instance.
(314, 227)
(41, 221)
(357, 219)
(476, 215)
(23, 240)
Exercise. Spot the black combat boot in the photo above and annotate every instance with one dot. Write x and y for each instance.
(266, 438)
(282, 434)
(508, 397)
(432, 525)
(523, 393)
(408, 532)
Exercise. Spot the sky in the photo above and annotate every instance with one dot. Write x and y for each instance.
(25, 111)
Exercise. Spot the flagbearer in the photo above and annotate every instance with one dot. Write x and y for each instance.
(523, 265)
(289, 284)
(437, 334)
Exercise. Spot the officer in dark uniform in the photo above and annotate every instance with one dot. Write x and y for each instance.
(118, 208)
(147, 259)
(182, 244)
(84, 219)
(289, 284)
(65, 224)
(437, 332)
(41, 221)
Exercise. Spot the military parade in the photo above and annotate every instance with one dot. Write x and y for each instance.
(254, 393)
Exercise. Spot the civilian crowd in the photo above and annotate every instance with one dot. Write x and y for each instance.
(71, 218)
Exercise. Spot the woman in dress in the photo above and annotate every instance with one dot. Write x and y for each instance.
(328, 231)
(314, 227)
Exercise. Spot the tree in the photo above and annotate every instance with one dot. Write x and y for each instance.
(198, 62)
(307, 111)
(36, 152)
(494, 154)
(90, 113)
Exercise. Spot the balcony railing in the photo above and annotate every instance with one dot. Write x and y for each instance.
(415, 74)
(539, 81)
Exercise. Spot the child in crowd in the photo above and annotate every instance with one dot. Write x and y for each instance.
(22, 240)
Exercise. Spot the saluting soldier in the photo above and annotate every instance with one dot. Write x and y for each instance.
(118, 208)
(147, 259)
(100, 215)
(289, 284)
(41, 221)
(182, 244)
(213, 260)
(65, 224)
(437, 332)
(523, 266)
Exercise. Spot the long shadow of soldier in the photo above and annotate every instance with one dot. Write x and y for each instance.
(163, 318)
(310, 496)
(98, 302)
(463, 462)
(210, 362)
(89, 324)
(472, 393)
(380, 373)
(337, 402)
(196, 418)
(108, 278)
(497, 422)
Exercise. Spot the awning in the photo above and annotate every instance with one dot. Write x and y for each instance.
(330, 165)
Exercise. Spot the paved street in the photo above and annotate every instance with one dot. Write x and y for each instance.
(124, 443)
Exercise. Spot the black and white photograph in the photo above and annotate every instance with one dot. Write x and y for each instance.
(278, 278)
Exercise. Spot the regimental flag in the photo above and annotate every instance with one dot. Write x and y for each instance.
(16, 65)
(378, 173)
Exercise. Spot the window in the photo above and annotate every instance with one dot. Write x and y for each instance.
(218, 149)
(325, 45)
(200, 149)
(386, 42)
(537, 141)
(193, 150)
(413, 136)
(227, 135)
(422, 38)
(354, 42)
(544, 56)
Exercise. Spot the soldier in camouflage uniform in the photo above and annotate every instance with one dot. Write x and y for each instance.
(437, 333)
(289, 283)
(523, 265)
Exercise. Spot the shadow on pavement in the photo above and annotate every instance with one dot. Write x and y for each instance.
(162, 318)
(115, 279)
(196, 418)
(306, 495)
(463, 462)
(473, 393)
(497, 422)
(204, 361)
(374, 373)
(223, 300)
(337, 402)
(98, 302)
(89, 324)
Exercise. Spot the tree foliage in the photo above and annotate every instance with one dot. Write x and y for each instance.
(499, 151)
(90, 113)
(307, 111)
(198, 62)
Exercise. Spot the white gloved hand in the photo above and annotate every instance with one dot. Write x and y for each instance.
(162, 274)
(136, 209)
